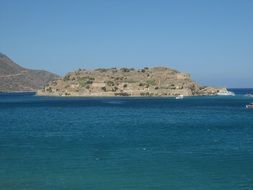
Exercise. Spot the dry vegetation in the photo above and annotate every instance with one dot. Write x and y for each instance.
(158, 81)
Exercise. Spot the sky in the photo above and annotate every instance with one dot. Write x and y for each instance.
(210, 39)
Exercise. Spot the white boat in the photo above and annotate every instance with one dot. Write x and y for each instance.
(179, 97)
(249, 106)
(226, 93)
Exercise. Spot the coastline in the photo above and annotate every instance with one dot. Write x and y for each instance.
(69, 96)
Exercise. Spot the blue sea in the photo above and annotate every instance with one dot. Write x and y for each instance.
(197, 143)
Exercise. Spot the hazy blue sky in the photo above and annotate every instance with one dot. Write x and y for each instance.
(211, 39)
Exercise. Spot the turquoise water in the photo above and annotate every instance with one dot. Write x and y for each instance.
(198, 143)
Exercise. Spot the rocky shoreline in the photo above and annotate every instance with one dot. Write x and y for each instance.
(157, 81)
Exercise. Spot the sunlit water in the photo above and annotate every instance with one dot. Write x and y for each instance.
(199, 143)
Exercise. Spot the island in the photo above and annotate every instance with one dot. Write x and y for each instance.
(156, 81)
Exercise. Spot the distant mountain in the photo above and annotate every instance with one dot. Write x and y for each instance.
(13, 77)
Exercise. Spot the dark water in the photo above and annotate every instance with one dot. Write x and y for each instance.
(198, 143)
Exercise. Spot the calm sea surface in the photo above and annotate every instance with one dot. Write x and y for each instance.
(198, 143)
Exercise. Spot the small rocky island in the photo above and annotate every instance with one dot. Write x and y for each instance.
(157, 81)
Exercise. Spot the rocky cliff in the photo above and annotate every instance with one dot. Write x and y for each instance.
(157, 81)
(16, 78)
